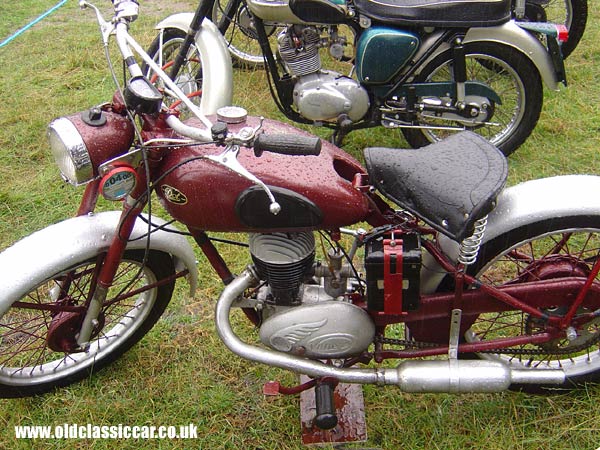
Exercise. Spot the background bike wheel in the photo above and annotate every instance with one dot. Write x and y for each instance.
(510, 74)
(33, 342)
(237, 26)
(189, 78)
(572, 13)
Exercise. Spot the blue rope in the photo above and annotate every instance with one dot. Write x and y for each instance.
(32, 23)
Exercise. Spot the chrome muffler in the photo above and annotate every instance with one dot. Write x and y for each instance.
(435, 376)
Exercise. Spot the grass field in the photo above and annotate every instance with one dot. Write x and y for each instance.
(181, 373)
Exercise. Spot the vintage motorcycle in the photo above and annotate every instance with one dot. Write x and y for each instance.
(474, 287)
(427, 68)
(237, 25)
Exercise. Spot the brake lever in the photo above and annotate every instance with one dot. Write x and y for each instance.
(106, 28)
(228, 158)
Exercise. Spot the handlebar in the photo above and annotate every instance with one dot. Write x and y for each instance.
(287, 144)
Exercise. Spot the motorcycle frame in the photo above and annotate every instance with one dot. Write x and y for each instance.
(432, 305)
(471, 296)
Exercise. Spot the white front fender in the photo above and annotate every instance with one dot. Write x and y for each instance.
(38, 256)
(217, 71)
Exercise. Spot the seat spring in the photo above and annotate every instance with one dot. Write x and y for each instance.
(469, 247)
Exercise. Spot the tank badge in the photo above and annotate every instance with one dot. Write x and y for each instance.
(174, 195)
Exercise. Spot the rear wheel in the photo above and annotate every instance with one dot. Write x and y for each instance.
(38, 332)
(550, 249)
(509, 73)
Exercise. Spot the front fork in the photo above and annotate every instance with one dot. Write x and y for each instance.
(132, 207)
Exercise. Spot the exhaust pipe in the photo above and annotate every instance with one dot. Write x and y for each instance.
(433, 376)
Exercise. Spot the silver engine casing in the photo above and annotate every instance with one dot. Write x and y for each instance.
(320, 328)
(325, 95)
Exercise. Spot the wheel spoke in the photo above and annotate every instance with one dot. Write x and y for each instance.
(547, 256)
(37, 345)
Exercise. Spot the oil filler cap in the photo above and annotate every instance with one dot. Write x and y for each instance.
(232, 114)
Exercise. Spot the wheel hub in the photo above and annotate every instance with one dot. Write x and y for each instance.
(556, 266)
(64, 328)
(561, 266)
(587, 334)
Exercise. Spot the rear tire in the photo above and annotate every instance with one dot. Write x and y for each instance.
(510, 73)
(535, 252)
(572, 13)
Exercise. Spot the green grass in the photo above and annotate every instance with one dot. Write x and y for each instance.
(181, 373)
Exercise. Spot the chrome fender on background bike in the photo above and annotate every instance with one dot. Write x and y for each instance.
(525, 204)
(217, 75)
(37, 257)
(513, 35)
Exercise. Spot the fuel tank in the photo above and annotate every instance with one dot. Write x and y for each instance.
(315, 192)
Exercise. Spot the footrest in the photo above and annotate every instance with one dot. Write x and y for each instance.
(349, 406)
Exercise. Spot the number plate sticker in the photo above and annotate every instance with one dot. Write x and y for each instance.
(118, 183)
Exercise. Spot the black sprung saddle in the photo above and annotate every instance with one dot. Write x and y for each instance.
(437, 13)
(450, 184)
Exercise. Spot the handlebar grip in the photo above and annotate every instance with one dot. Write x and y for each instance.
(287, 144)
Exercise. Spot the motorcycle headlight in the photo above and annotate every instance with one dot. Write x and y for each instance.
(83, 141)
(70, 152)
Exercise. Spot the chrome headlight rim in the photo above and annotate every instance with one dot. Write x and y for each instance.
(70, 152)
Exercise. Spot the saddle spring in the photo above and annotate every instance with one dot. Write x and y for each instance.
(469, 247)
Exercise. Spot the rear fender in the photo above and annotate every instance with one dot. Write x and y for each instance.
(521, 205)
(39, 255)
(509, 34)
(514, 36)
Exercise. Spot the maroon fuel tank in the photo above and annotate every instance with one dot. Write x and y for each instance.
(315, 192)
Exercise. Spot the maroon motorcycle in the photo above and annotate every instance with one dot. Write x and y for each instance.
(475, 288)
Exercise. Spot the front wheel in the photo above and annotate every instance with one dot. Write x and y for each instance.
(550, 249)
(38, 332)
(509, 72)
(163, 51)
(237, 25)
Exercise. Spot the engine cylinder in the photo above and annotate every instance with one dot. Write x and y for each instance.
(300, 52)
(282, 259)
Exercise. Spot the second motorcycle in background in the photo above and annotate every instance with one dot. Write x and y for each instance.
(429, 69)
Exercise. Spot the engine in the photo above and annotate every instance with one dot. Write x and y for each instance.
(300, 315)
(320, 95)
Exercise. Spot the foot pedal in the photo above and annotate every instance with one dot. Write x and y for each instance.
(325, 418)
(324, 404)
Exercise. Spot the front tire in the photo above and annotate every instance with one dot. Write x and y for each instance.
(510, 73)
(236, 24)
(163, 51)
(37, 331)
